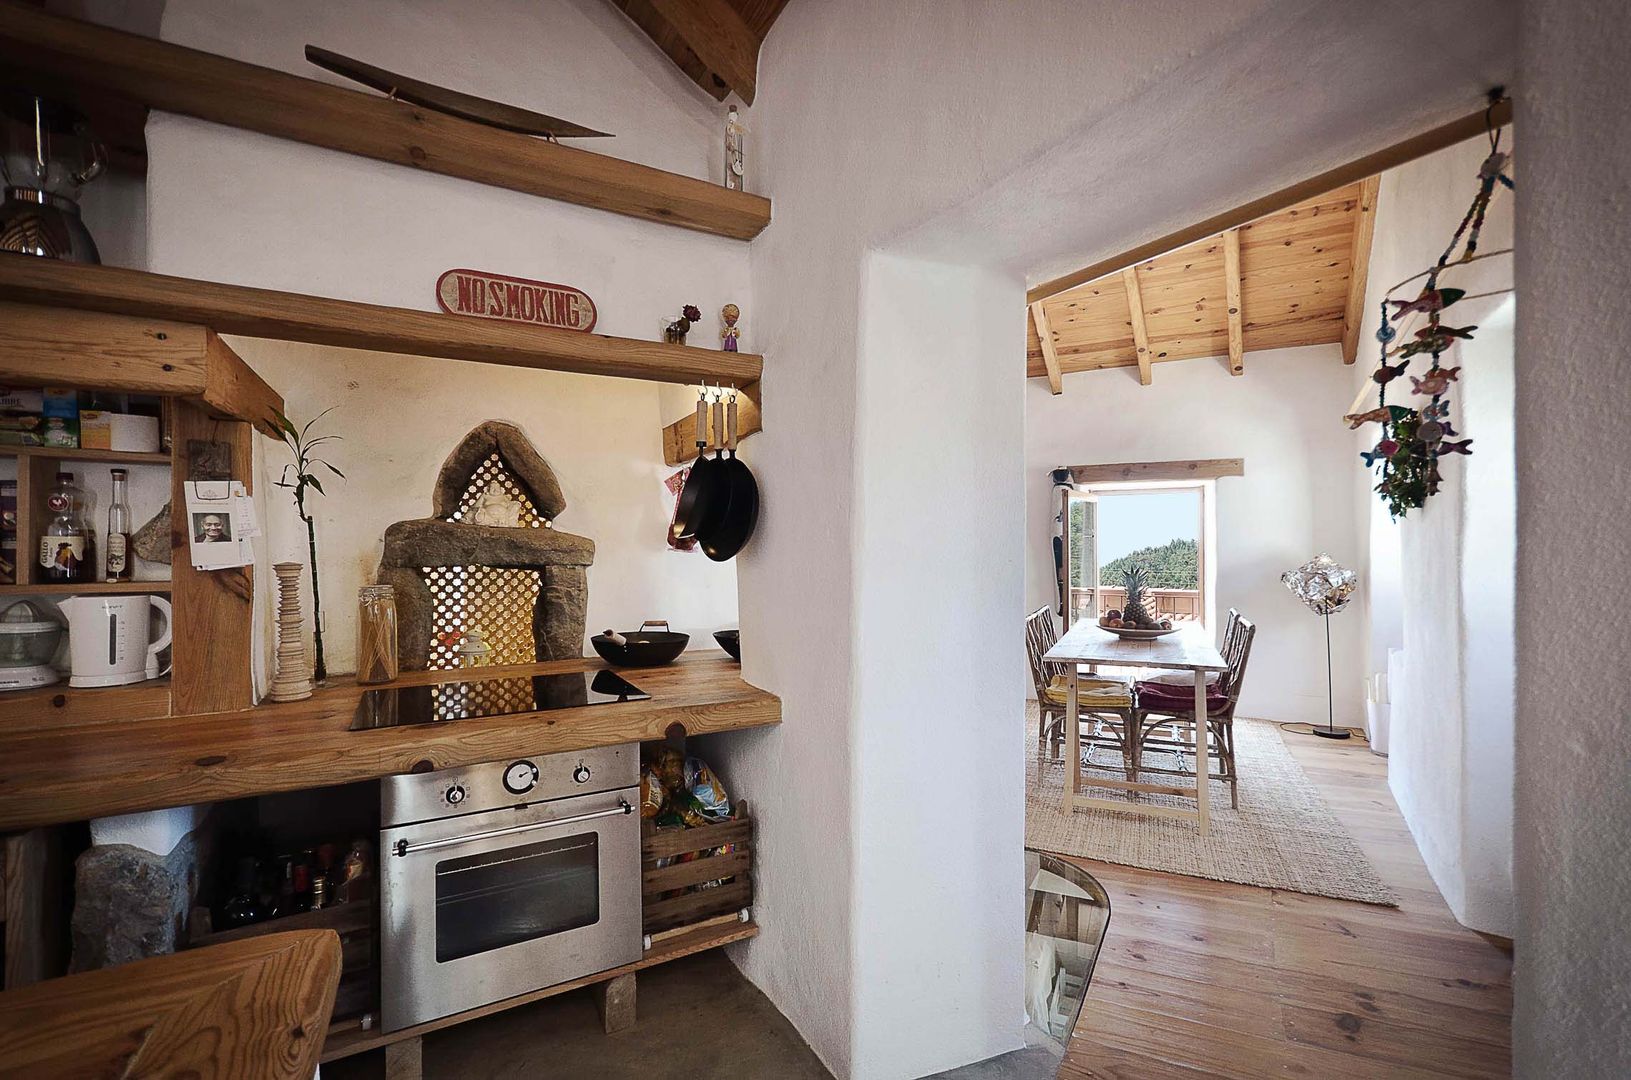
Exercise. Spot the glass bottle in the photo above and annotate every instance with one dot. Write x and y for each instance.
(118, 545)
(377, 660)
(67, 552)
(733, 150)
(244, 906)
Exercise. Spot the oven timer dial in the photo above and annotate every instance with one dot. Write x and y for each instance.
(454, 795)
(521, 777)
(581, 774)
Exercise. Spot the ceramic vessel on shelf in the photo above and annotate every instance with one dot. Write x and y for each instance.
(1137, 635)
(642, 647)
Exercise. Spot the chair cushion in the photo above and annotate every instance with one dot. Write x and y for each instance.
(1164, 697)
(1185, 679)
(1094, 692)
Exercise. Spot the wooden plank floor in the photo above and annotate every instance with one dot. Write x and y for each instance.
(1202, 978)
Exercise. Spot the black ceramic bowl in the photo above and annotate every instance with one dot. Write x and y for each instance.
(642, 647)
(731, 642)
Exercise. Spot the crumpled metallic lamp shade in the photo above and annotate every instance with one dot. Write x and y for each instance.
(37, 223)
(1322, 583)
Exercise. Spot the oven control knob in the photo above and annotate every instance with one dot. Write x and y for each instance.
(580, 775)
(454, 795)
(521, 777)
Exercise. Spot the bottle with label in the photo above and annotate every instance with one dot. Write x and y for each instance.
(66, 549)
(118, 546)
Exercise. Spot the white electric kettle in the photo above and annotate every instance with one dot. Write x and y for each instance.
(110, 639)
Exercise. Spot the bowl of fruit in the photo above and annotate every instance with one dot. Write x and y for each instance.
(1133, 622)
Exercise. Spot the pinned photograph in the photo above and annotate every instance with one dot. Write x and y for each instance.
(212, 528)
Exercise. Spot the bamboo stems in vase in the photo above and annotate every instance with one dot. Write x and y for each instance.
(302, 480)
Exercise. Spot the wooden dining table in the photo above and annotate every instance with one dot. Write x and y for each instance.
(1190, 649)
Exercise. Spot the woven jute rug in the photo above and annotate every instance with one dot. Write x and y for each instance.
(1282, 837)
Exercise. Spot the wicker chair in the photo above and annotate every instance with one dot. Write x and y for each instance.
(1165, 711)
(1104, 704)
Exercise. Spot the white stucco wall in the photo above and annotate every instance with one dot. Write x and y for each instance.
(1572, 1006)
(1288, 507)
(231, 205)
(1439, 582)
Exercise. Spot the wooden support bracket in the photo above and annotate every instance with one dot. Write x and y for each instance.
(680, 437)
(1353, 315)
(1141, 333)
(1231, 293)
(1050, 350)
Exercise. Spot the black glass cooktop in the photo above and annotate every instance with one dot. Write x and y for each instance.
(402, 706)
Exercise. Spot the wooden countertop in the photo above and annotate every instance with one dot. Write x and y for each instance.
(241, 1011)
(49, 776)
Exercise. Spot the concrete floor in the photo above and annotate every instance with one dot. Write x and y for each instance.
(698, 1019)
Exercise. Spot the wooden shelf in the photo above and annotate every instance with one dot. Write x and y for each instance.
(346, 1039)
(264, 313)
(105, 457)
(180, 760)
(60, 706)
(89, 588)
(50, 51)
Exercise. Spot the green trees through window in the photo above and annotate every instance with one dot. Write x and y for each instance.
(1173, 565)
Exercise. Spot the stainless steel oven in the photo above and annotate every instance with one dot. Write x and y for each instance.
(507, 877)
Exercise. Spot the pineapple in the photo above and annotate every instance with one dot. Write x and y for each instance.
(1136, 579)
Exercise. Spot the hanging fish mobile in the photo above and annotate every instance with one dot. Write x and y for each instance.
(1413, 440)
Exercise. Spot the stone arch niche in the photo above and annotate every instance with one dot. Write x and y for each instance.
(524, 585)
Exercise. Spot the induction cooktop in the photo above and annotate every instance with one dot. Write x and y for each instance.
(440, 703)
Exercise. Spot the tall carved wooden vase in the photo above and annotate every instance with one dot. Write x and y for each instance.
(293, 679)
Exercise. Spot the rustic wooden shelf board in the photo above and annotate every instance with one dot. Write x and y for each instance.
(347, 1039)
(317, 320)
(61, 706)
(100, 588)
(175, 79)
(49, 776)
(102, 457)
(120, 349)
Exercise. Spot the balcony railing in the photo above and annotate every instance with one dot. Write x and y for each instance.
(1179, 605)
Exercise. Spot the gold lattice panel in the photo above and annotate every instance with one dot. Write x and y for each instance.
(498, 601)
(493, 470)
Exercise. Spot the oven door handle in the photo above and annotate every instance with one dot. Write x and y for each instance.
(403, 848)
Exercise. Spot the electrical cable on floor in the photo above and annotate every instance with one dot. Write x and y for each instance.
(1300, 728)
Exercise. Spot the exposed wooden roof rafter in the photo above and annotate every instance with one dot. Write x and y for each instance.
(1140, 328)
(714, 42)
(1231, 300)
(1050, 356)
(1353, 315)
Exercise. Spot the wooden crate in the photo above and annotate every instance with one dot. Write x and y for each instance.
(357, 923)
(733, 870)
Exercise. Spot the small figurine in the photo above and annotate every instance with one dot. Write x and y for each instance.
(1434, 382)
(1386, 374)
(1462, 447)
(730, 313)
(674, 333)
(1429, 301)
(495, 508)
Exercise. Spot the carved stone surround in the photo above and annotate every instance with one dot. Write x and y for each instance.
(442, 540)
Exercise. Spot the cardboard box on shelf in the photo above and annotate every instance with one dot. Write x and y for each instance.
(22, 418)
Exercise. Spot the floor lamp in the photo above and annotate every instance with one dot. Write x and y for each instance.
(1325, 586)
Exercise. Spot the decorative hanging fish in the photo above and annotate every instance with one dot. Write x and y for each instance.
(1384, 449)
(1494, 165)
(1386, 374)
(1462, 447)
(1434, 382)
(1437, 411)
(1429, 301)
(1430, 431)
(1462, 332)
(1382, 415)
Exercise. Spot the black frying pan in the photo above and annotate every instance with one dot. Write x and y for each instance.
(702, 500)
(741, 513)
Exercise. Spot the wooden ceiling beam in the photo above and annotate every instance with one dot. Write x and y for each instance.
(1141, 332)
(1231, 295)
(714, 42)
(1050, 351)
(1410, 149)
(1353, 314)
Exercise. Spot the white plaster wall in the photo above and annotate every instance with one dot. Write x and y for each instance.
(922, 725)
(1439, 582)
(234, 206)
(1572, 1001)
(1289, 506)
(978, 134)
